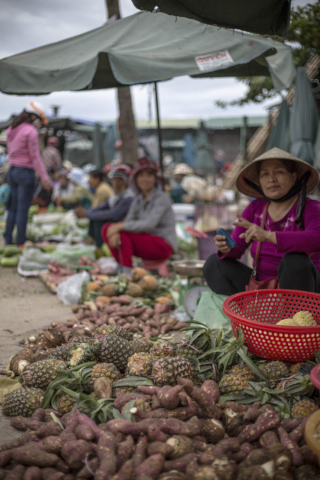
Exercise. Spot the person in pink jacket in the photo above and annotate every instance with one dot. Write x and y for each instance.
(24, 160)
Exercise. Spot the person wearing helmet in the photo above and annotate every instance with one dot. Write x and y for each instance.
(178, 193)
(51, 156)
(24, 161)
(148, 230)
(81, 195)
(112, 210)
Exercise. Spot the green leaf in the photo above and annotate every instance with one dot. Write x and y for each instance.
(127, 415)
(56, 419)
(133, 381)
(116, 413)
(252, 365)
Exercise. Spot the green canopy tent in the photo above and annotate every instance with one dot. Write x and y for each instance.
(280, 134)
(304, 119)
(266, 17)
(144, 48)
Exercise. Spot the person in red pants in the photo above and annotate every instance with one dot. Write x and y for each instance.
(148, 230)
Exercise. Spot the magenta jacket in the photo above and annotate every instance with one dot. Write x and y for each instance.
(289, 237)
(23, 149)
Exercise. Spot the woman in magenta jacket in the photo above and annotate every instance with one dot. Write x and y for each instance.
(24, 160)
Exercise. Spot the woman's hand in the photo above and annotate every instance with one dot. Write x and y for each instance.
(221, 244)
(114, 229)
(80, 212)
(253, 232)
(46, 185)
(114, 241)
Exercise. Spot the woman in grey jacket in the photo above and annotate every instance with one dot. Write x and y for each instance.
(148, 230)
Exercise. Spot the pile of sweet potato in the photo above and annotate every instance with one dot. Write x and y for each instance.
(122, 311)
(186, 435)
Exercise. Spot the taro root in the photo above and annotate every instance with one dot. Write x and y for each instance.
(83, 330)
(234, 422)
(281, 455)
(306, 472)
(21, 361)
(212, 430)
(255, 472)
(223, 469)
(257, 457)
(40, 354)
(282, 474)
(52, 338)
(205, 473)
(181, 445)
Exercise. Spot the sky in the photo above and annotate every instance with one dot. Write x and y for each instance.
(26, 24)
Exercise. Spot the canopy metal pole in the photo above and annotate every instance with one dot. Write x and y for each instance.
(158, 126)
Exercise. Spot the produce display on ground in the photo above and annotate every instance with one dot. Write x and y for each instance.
(104, 402)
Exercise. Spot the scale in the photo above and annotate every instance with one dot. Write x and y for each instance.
(192, 293)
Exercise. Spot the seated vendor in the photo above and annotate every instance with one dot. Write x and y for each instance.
(81, 195)
(290, 239)
(112, 210)
(63, 188)
(148, 230)
(101, 190)
(178, 193)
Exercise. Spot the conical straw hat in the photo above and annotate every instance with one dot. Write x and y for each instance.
(250, 172)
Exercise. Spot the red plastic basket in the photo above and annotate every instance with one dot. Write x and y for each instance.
(258, 311)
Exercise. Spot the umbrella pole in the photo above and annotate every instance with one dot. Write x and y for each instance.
(158, 126)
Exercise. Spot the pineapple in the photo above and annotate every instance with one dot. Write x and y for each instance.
(84, 352)
(134, 290)
(79, 339)
(275, 371)
(22, 401)
(138, 273)
(40, 374)
(298, 368)
(116, 350)
(244, 372)
(63, 352)
(233, 383)
(297, 385)
(288, 322)
(113, 330)
(186, 351)
(166, 370)
(162, 349)
(148, 283)
(105, 370)
(139, 364)
(63, 403)
(141, 345)
(109, 290)
(304, 319)
(303, 408)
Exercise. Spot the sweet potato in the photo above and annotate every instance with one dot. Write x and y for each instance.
(107, 457)
(212, 388)
(31, 456)
(89, 469)
(19, 423)
(297, 434)
(51, 474)
(251, 415)
(33, 473)
(53, 444)
(181, 445)
(169, 396)
(48, 429)
(17, 473)
(236, 407)
(73, 453)
(83, 419)
(66, 436)
(181, 463)
(140, 452)
(297, 459)
(61, 466)
(5, 458)
(120, 402)
(19, 442)
(155, 435)
(124, 451)
(290, 424)
(148, 390)
(160, 447)
(267, 421)
(85, 432)
(155, 402)
(126, 471)
(39, 415)
(227, 445)
(205, 401)
(151, 467)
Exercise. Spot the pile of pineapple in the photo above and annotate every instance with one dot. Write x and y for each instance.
(66, 380)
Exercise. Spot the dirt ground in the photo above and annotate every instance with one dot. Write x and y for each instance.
(26, 307)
